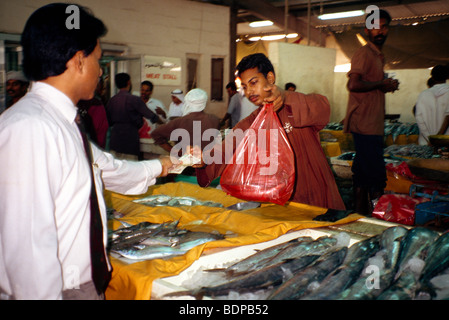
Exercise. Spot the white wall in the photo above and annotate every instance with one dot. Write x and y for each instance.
(312, 70)
(172, 28)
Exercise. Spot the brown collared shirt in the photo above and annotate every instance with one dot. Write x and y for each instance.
(366, 110)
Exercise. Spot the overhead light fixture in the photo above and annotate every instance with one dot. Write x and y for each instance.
(258, 24)
(361, 39)
(339, 15)
(273, 37)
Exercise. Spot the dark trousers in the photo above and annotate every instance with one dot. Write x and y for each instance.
(368, 167)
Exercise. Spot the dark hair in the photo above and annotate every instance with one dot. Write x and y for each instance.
(147, 83)
(232, 85)
(48, 43)
(121, 80)
(382, 14)
(290, 85)
(440, 73)
(256, 60)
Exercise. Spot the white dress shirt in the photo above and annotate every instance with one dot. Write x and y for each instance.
(432, 107)
(45, 189)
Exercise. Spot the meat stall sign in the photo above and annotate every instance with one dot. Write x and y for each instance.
(162, 70)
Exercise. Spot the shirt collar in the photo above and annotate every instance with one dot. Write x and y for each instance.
(57, 99)
(374, 48)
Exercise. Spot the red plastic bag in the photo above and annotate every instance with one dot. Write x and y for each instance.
(262, 167)
(399, 208)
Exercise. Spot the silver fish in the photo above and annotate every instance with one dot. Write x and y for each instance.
(316, 247)
(345, 275)
(252, 281)
(414, 248)
(296, 286)
(415, 244)
(157, 252)
(247, 264)
(436, 262)
(391, 245)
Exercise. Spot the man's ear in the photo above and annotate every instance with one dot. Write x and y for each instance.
(77, 62)
(271, 77)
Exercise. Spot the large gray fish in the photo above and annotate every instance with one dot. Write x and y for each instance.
(247, 264)
(296, 286)
(436, 262)
(363, 289)
(147, 252)
(127, 237)
(252, 281)
(345, 275)
(316, 247)
(415, 246)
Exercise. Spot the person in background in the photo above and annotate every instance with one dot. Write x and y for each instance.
(365, 115)
(302, 116)
(155, 105)
(16, 87)
(432, 106)
(175, 108)
(194, 121)
(50, 172)
(93, 116)
(234, 106)
(290, 86)
(125, 114)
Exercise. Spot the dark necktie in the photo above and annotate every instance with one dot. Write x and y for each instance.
(100, 273)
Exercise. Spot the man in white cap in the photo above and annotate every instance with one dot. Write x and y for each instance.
(16, 87)
(175, 108)
(191, 126)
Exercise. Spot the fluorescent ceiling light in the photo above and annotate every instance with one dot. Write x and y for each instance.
(273, 37)
(361, 39)
(340, 15)
(257, 24)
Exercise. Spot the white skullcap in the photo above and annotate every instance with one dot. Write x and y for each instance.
(178, 94)
(16, 75)
(195, 101)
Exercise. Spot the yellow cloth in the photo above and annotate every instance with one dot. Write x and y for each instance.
(134, 281)
(331, 149)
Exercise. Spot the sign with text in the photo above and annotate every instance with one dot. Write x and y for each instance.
(162, 70)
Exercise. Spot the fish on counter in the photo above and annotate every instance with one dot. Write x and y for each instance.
(297, 286)
(347, 273)
(172, 201)
(146, 240)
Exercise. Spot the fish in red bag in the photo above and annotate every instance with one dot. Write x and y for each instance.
(262, 167)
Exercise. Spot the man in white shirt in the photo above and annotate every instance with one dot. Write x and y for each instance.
(177, 104)
(155, 105)
(45, 180)
(432, 106)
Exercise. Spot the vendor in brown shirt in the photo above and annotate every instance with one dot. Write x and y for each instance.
(191, 128)
(302, 117)
(365, 114)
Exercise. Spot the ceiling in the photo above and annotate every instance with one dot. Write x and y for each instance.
(300, 21)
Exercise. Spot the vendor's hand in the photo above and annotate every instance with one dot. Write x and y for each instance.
(276, 97)
(198, 153)
(390, 85)
(167, 162)
(161, 112)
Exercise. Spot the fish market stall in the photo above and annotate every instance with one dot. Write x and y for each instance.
(133, 279)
